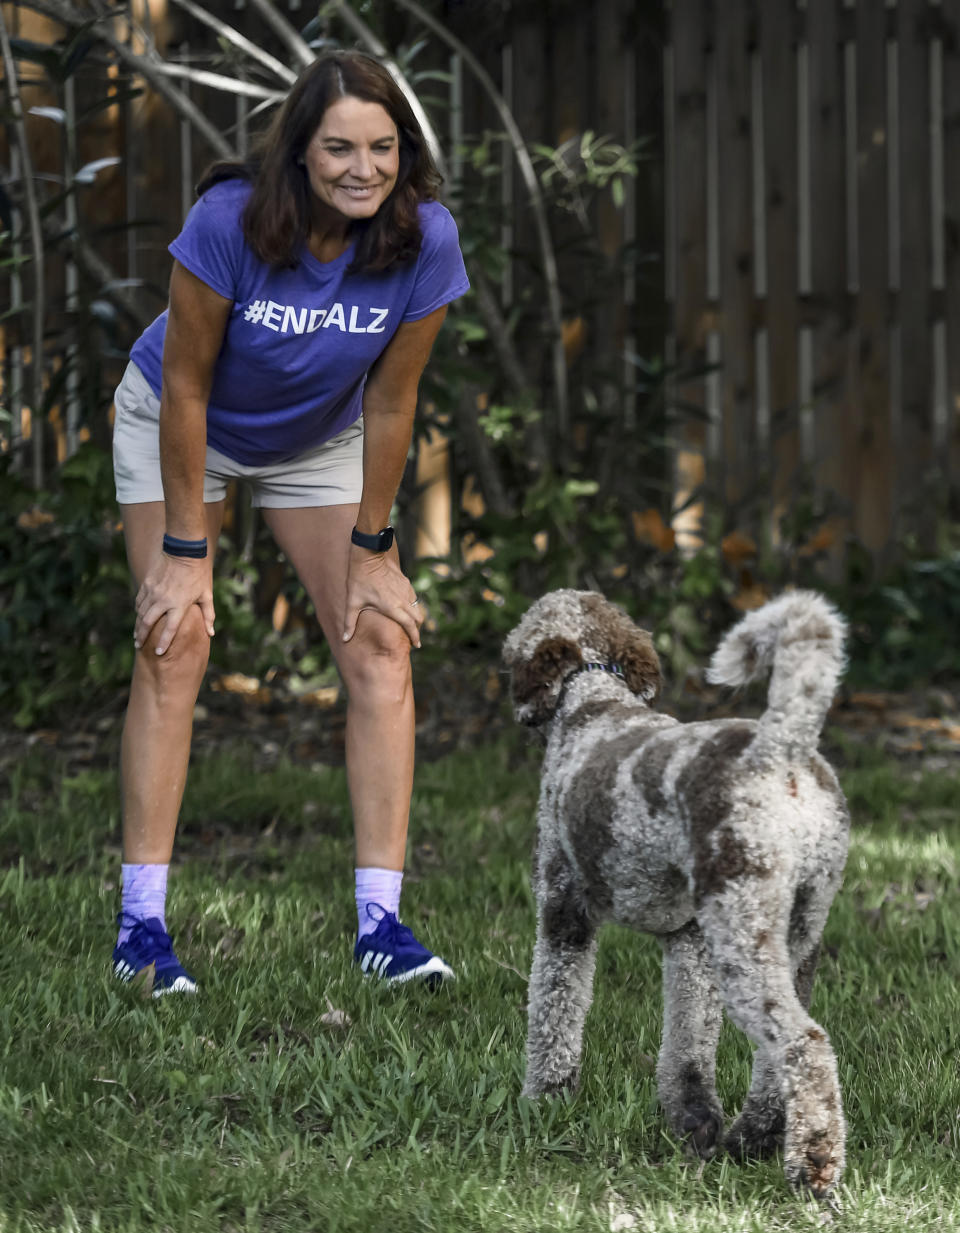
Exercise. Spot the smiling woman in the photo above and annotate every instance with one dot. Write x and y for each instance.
(351, 162)
(308, 285)
(345, 122)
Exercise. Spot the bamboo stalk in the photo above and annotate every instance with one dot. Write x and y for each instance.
(217, 81)
(175, 97)
(73, 18)
(239, 40)
(279, 24)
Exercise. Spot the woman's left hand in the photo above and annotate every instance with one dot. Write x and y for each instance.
(376, 582)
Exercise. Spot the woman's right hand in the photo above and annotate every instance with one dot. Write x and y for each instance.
(171, 585)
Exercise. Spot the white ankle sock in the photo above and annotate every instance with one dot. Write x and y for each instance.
(144, 895)
(373, 885)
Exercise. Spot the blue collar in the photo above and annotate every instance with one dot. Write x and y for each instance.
(590, 666)
(615, 669)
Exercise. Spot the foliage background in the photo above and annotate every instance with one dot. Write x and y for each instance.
(535, 502)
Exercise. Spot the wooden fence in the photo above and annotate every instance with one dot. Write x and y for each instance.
(806, 209)
(561, 67)
(813, 252)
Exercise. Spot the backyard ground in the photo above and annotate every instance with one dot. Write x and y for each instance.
(291, 1096)
(456, 713)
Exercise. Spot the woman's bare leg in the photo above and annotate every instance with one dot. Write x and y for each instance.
(375, 666)
(155, 747)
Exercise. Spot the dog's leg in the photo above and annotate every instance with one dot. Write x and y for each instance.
(758, 1131)
(811, 906)
(560, 991)
(692, 1015)
(749, 952)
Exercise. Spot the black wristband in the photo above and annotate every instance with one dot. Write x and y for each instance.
(373, 543)
(195, 548)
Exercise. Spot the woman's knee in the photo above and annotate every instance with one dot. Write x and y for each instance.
(377, 659)
(185, 659)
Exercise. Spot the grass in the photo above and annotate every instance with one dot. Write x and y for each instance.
(243, 1110)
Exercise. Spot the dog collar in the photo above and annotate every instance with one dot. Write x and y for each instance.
(615, 669)
(590, 666)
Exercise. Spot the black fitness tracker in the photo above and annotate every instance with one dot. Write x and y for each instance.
(375, 543)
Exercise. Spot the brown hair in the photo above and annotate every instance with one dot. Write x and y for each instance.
(276, 219)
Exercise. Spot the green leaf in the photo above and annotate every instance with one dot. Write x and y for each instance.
(581, 488)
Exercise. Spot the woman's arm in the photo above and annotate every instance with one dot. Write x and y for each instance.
(374, 580)
(195, 327)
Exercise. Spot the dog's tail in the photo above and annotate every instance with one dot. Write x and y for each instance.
(801, 637)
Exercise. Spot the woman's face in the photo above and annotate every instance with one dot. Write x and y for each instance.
(353, 158)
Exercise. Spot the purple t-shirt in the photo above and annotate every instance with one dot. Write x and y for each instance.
(299, 343)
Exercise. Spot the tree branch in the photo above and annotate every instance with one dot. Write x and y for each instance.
(489, 310)
(279, 24)
(514, 375)
(218, 81)
(174, 96)
(233, 36)
(479, 457)
(73, 18)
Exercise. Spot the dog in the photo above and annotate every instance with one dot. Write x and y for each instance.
(725, 838)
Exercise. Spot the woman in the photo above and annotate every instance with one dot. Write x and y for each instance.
(307, 289)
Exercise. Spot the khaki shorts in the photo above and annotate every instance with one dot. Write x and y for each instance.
(331, 474)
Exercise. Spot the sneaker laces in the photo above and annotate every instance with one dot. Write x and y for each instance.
(159, 940)
(389, 923)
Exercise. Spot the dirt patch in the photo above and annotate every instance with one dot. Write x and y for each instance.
(455, 711)
(278, 725)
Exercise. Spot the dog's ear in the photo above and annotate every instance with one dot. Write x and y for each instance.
(640, 663)
(625, 644)
(535, 682)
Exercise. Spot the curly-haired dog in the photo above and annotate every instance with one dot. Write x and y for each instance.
(725, 838)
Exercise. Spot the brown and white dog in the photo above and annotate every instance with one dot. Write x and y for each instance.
(725, 838)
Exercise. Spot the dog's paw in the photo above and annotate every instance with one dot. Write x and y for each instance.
(702, 1128)
(534, 1088)
(816, 1165)
(755, 1135)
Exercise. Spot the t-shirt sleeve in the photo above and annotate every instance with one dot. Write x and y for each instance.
(210, 244)
(441, 274)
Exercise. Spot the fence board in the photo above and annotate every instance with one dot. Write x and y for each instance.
(612, 87)
(950, 26)
(644, 214)
(530, 60)
(825, 282)
(686, 238)
(869, 357)
(738, 471)
(823, 223)
(570, 82)
(917, 472)
(609, 80)
(778, 51)
(571, 100)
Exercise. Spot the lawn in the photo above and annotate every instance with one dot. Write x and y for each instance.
(292, 1095)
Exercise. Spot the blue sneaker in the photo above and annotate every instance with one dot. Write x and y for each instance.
(148, 946)
(394, 954)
